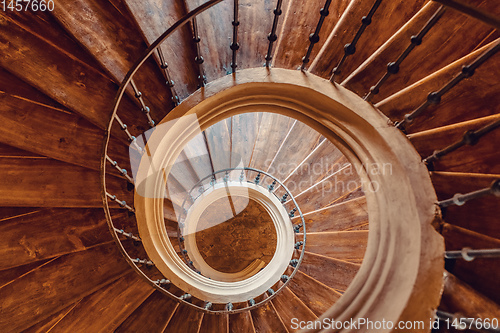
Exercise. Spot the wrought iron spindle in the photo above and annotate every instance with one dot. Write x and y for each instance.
(162, 282)
(271, 187)
(298, 245)
(234, 45)
(122, 204)
(283, 199)
(314, 37)
(294, 262)
(350, 48)
(435, 96)
(459, 199)
(468, 254)
(127, 234)
(198, 58)
(272, 37)
(284, 278)
(143, 262)
(121, 170)
(257, 179)
(251, 301)
(469, 138)
(270, 291)
(169, 81)
(185, 297)
(393, 67)
(207, 306)
(292, 212)
(229, 306)
(145, 109)
(132, 139)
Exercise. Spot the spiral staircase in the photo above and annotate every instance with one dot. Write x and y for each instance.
(285, 100)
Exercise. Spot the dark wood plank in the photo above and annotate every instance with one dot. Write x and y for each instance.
(336, 274)
(185, 319)
(265, 319)
(116, 55)
(290, 309)
(152, 316)
(9, 275)
(214, 323)
(115, 302)
(272, 132)
(379, 31)
(244, 131)
(300, 21)
(344, 245)
(52, 232)
(479, 215)
(50, 183)
(47, 324)
(349, 215)
(241, 323)
(451, 38)
(314, 294)
(153, 18)
(59, 283)
(458, 297)
(461, 103)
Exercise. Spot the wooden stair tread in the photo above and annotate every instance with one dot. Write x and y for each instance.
(152, 315)
(185, 319)
(446, 48)
(461, 103)
(113, 303)
(47, 324)
(244, 131)
(265, 319)
(219, 144)
(336, 274)
(10, 275)
(314, 294)
(338, 217)
(288, 306)
(342, 245)
(214, 323)
(59, 283)
(379, 31)
(241, 323)
(481, 214)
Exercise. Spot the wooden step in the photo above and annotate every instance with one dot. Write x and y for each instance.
(480, 215)
(115, 54)
(152, 315)
(59, 283)
(196, 151)
(265, 319)
(480, 158)
(337, 274)
(273, 130)
(241, 323)
(349, 215)
(376, 34)
(481, 274)
(300, 20)
(214, 323)
(458, 297)
(315, 295)
(115, 302)
(488, 14)
(323, 161)
(153, 19)
(47, 324)
(440, 47)
(461, 103)
(61, 76)
(344, 245)
(185, 319)
(219, 144)
(55, 184)
(50, 233)
(9, 275)
(291, 309)
(244, 131)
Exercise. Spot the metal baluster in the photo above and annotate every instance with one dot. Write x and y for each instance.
(272, 37)
(170, 82)
(468, 254)
(229, 306)
(435, 97)
(297, 227)
(257, 179)
(144, 108)
(198, 59)
(127, 234)
(162, 282)
(298, 245)
(294, 262)
(122, 204)
(271, 187)
(469, 138)
(270, 291)
(314, 37)
(122, 171)
(234, 45)
(185, 297)
(393, 67)
(284, 278)
(292, 212)
(207, 306)
(132, 139)
(143, 262)
(283, 199)
(459, 199)
(350, 48)
(251, 301)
